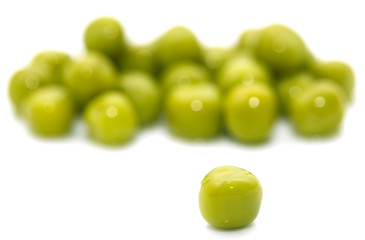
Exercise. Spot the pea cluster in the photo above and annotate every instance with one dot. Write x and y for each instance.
(201, 91)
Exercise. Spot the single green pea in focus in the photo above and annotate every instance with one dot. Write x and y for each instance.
(319, 110)
(338, 72)
(144, 92)
(177, 44)
(52, 61)
(281, 48)
(25, 81)
(293, 86)
(106, 36)
(49, 111)
(111, 118)
(230, 197)
(138, 58)
(250, 112)
(215, 57)
(242, 69)
(194, 112)
(89, 76)
(184, 74)
(249, 40)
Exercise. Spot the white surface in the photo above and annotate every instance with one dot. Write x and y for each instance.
(74, 189)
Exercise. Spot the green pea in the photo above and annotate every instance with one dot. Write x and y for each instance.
(281, 48)
(106, 36)
(215, 57)
(242, 69)
(194, 112)
(319, 109)
(177, 44)
(230, 197)
(338, 72)
(184, 74)
(89, 76)
(54, 62)
(291, 87)
(250, 112)
(249, 40)
(139, 58)
(49, 111)
(111, 118)
(144, 92)
(25, 81)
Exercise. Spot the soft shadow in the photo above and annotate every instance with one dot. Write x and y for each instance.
(239, 229)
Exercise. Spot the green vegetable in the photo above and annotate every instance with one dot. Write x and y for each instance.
(249, 40)
(184, 74)
(194, 112)
(89, 76)
(281, 48)
(250, 112)
(230, 197)
(144, 92)
(338, 72)
(242, 69)
(25, 81)
(319, 109)
(53, 62)
(49, 111)
(214, 58)
(138, 58)
(177, 44)
(293, 86)
(111, 118)
(106, 36)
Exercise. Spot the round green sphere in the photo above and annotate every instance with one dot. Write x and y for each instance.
(177, 44)
(230, 197)
(194, 112)
(281, 48)
(89, 76)
(319, 110)
(111, 118)
(144, 92)
(49, 111)
(250, 112)
(244, 70)
(106, 36)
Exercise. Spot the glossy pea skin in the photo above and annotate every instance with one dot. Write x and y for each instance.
(106, 36)
(319, 110)
(111, 118)
(250, 112)
(144, 92)
(25, 81)
(138, 58)
(338, 72)
(230, 197)
(49, 111)
(215, 57)
(242, 69)
(89, 76)
(52, 61)
(281, 48)
(184, 74)
(177, 44)
(292, 87)
(194, 112)
(249, 40)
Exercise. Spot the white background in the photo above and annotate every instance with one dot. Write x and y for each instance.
(75, 189)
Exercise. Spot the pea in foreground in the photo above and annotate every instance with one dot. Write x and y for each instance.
(230, 197)
(201, 92)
